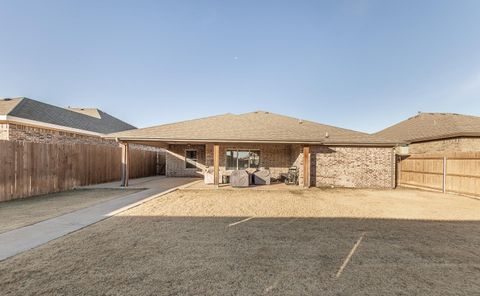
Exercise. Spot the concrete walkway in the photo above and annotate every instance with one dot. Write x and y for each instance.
(22, 239)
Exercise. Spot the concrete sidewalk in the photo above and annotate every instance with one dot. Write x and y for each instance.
(21, 239)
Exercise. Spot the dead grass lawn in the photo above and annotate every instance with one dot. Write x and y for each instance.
(328, 203)
(23, 212)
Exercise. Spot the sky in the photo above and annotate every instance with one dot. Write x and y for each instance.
(357, 64)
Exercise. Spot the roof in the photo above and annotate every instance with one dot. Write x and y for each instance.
(432, 126)
(259, 126)
(86, 119)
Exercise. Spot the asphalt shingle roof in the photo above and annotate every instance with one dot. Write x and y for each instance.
(255, 126)
(34, 110)
(431, 126)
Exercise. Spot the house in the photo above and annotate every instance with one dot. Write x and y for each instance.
(325, 155)
(24, 119)
(436, 132)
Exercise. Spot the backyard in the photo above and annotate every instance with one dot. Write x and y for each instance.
(26, 211)
(260, 242)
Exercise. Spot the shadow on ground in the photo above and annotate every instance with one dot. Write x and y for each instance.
(280, 256)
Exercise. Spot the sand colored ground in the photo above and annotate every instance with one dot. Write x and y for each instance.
(23, 212)
(328, 203)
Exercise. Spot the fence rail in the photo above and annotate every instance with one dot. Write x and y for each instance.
(28, 169)
(451, 172)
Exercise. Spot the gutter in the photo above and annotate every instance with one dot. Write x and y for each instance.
(376, 144)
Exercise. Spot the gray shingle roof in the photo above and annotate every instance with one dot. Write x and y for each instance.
(34, 110)
(431, 126)
(255, 126)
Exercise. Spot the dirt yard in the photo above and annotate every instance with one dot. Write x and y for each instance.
(23, 212)
(324, 203)
(246, 242)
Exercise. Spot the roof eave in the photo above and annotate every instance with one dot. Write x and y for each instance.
(261, 141)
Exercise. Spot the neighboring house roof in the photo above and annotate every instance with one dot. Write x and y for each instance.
(257, 126)
(88, 120)
(432, 126)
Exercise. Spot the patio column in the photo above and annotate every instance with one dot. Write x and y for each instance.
(216, 165)
(125, 164)
(306, 166)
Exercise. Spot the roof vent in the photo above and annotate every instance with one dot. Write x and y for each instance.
(300, 121)
(327, 135)
(7, 99)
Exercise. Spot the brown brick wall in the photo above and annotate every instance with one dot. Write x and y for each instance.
(462, 144)
(175, 161)
(18, 132)
(353, 167)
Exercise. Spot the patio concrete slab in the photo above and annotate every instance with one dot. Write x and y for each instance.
(21, 239)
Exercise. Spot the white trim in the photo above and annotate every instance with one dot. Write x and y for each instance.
(15, 120)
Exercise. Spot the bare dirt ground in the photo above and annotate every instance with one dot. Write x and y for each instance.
(314, 242)
(23, 212)
(325, 203)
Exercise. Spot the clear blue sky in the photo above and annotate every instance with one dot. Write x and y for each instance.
(355, 64)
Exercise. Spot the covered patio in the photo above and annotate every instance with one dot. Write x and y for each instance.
(193, 159)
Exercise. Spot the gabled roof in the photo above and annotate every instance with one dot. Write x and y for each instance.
(432, 126)
(99, 122)
(257, 126)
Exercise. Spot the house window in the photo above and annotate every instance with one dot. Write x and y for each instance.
(242, 159)
(191, 159)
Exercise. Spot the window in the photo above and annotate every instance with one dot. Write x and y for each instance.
(191, 159)
(242, 159)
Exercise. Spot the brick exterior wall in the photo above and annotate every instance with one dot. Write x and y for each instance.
(355, 167)
(462, 144)
(176, 165)
(18, 132)
(3, 131)
(351, 167)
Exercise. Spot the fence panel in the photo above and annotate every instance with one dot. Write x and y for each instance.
(451, 172)
(28, 169)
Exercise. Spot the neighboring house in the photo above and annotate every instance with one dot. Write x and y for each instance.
(436, 132)
(24, 119)
(335, 156)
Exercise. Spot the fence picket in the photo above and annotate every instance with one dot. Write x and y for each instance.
(28, 169)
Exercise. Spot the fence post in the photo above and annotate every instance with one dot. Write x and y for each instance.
(444, 174)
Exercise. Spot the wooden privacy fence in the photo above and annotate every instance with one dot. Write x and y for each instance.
(453, 172)
(28, 169)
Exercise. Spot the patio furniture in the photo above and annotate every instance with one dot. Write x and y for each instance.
(292, 176)
(239, 178)
(261, 177)
(208, 176)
